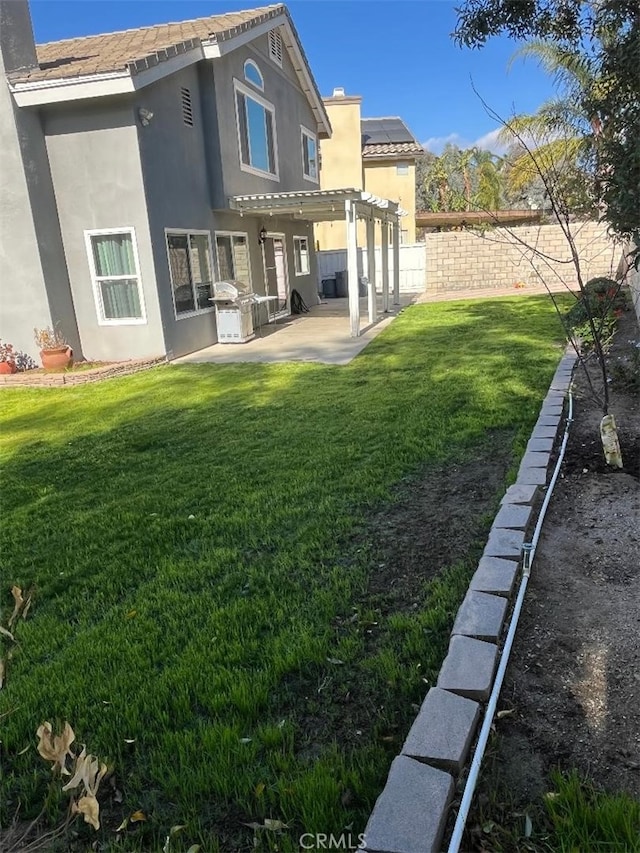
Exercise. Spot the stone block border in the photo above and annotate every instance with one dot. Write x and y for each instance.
(31, 379)
(411, 813)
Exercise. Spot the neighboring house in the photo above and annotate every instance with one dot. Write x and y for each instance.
(122, 157)
(376, 154)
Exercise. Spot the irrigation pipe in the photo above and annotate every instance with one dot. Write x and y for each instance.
(529, 550)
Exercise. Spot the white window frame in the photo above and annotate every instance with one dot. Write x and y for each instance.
(267, 105)
(253, 63)
(405, 167)
(186, 315)
(274, 36)
(232, 234)
(298, 237)
(304, 131)
(95, 278)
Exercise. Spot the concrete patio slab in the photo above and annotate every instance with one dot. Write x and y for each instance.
(322, 336)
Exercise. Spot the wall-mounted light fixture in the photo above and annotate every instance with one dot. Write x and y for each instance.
(263, 235)
(145, 116)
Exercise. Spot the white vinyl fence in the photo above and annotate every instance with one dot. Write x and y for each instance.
(412, 266)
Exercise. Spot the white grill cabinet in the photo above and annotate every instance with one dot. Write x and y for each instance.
(234, 318)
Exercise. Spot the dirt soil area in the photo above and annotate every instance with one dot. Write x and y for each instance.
(573, 683)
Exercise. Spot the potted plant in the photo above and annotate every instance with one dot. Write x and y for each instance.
(55, 352)
(7, 358)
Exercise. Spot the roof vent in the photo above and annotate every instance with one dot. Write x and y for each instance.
(275, 46)
(187, 109)
(338, 92)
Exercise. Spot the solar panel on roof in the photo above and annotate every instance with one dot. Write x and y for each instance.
(381, 131)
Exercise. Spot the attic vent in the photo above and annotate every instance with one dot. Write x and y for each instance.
(187, 110)
(275, 46)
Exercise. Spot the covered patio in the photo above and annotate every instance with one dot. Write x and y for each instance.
(348, 205)
(319, 336)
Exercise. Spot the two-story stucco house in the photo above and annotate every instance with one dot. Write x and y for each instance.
(377, 154)
(120, 157)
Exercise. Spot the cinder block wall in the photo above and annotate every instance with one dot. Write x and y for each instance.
(462, 260)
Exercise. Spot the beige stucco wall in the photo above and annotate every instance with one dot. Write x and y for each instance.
(462, 260)
(381, 178)
(341, 162)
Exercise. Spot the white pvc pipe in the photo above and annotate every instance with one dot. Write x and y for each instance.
(474, 770)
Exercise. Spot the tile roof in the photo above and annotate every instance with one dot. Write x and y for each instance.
(391, 149)
(137, 49)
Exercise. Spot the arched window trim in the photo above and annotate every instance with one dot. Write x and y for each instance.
(250, 64)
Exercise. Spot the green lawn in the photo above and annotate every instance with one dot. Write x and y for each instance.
(191, 534)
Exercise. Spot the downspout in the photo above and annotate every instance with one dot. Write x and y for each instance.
(529, 550)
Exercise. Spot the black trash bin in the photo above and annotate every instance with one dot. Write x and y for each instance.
(329, 288)
(342, 284)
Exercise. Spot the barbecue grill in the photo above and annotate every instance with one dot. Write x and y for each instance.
(233, 301)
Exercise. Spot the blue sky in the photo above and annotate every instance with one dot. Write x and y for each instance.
(398, 55)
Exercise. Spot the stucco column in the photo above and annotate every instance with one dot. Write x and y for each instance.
(352, 266)
(371, 268)
(385, 265)
(396, 262)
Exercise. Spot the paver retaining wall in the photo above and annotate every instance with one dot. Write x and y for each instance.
(411, 813)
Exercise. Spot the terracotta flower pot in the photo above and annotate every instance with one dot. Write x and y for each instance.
(57, 359)
(8, 367)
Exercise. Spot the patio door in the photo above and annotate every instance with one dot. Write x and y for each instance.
(275, 276)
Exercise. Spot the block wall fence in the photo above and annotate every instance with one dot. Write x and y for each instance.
(500, 257)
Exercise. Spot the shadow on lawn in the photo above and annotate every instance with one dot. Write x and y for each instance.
(194, 533)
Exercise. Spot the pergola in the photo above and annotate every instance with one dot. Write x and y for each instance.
(348, 205)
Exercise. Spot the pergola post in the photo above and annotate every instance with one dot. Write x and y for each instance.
(385, 265)
(352, 266)
(396, 262)
(371, 267)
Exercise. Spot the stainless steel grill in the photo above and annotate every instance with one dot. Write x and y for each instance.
(233, 301)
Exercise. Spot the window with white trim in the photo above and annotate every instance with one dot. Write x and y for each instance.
(256, 124)
(252, 74)
(189, 255)
(309, 155)
(402, 169)
(275, 47)
(115, 272)
(301, 255)
(232, 254)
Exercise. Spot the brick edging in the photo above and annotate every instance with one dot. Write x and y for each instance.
(63, 380)
(411, 813)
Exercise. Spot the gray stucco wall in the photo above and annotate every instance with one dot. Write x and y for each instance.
(281, 88)
(34, 285)
(177, 188)
(97, 175)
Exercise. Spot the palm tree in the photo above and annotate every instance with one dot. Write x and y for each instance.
(560, 137)
(488, 194)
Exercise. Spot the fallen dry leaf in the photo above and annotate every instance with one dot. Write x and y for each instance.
(55, 747)
(123, 825)
(508, 713)
(195, 848)
(138, 816)
(89, 809)
(16, 592)
(6, 633)
(88, 771)
(26, 607)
